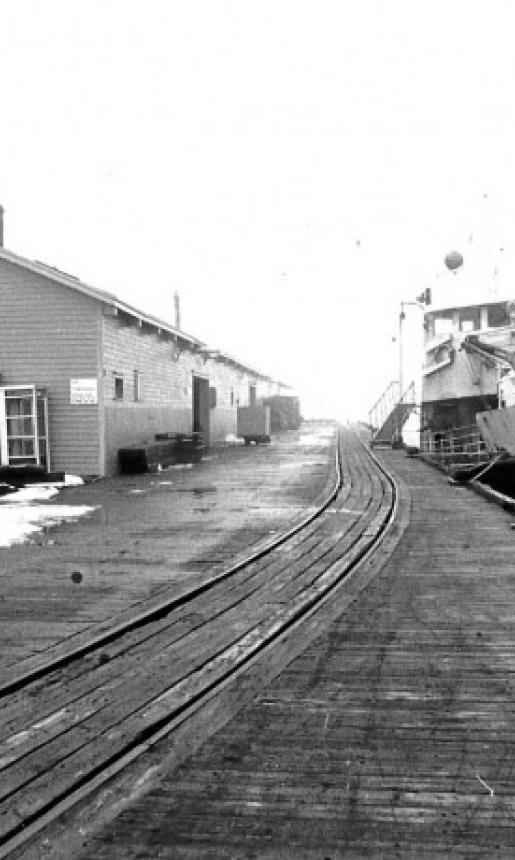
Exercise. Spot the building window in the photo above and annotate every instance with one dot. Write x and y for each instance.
(118, 388)
(137, 385)
(252, 395)
(232, 397)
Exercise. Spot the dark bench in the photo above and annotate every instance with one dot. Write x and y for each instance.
(28, 473)
(167, 449)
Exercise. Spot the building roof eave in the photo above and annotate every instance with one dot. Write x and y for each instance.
(57, 276)
(156, 323)
(219, 355)
(109, 299)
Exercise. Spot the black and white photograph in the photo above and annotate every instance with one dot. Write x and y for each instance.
(257, 430)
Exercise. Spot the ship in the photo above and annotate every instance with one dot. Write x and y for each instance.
(469, 362)
(466, 402)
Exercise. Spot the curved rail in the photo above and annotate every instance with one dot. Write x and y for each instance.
(320, 552)
(159, 612)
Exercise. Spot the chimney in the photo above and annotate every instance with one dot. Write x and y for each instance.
(1, 226)
(177, 307)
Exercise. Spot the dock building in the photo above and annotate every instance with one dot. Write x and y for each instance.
(83, 374)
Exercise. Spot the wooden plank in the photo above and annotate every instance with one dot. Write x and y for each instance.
(391, 735)
(164, 538)
(115, 703)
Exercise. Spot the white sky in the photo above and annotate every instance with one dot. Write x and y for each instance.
(294, 168)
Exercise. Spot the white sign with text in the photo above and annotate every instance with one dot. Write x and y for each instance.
(83, 391)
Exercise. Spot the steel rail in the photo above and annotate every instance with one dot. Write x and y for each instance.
(166, 607)
(281, 627)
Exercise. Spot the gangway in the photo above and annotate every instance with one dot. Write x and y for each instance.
(390, 412)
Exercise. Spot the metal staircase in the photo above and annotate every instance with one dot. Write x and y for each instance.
(389, 414)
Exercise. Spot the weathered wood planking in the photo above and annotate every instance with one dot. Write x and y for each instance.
(393, 735)
(92, 711)
(150, 536)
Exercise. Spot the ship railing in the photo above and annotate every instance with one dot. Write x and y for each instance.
(458, 446)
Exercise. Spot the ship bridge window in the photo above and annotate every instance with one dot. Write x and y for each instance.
(497, 316)
(444, 323)
(470, 319)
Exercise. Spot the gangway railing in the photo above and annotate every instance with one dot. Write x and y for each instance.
(384, 405)
(408, 396)
(458, 446)
(390, 413)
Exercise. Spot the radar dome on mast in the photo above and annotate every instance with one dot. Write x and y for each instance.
(453, 260)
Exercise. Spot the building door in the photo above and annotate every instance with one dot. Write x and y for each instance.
(201, 407)
(24, 426)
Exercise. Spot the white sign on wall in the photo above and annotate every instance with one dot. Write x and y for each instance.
(83, 391)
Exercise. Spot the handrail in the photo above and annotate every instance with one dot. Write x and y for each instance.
(457, 445)
(384, 404)
(388, 401)
(408, 395)
(394, 382)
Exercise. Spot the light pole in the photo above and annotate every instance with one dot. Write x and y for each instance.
(402, 317)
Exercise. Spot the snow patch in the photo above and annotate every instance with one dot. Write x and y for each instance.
(22, 514)
(231, 439)
(315, 439)
(30, 493)
(72, 481)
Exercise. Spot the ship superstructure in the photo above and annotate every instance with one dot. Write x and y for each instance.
(469, 360)
(468, 370)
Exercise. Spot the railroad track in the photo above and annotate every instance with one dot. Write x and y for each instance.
(68, 725)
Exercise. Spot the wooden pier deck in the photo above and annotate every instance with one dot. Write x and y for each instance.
(391, 735)
(150, 536)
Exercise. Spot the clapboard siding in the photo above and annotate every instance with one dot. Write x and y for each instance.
(225, 377)
(228, 380)
(165, 396)
(165, 378)
(127, 348)
(138, 422)
(49, 334)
